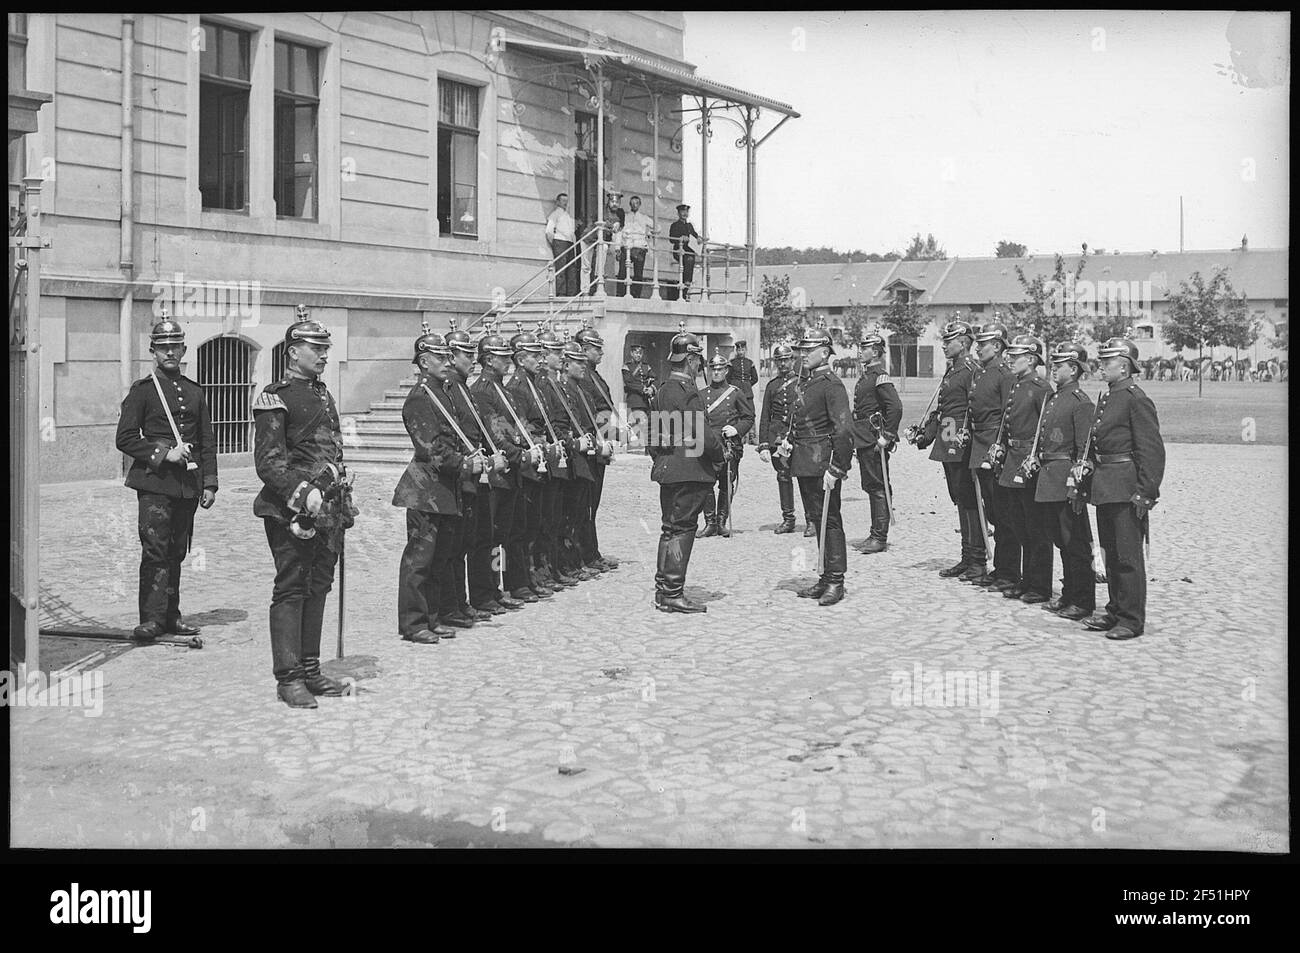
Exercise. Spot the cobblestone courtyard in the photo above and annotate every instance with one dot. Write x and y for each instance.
(591, 719)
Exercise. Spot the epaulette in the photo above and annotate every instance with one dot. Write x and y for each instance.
(882, 380)
(1080, 396)
(277, 386)
(269, 400)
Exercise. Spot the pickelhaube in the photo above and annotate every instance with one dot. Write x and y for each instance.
(872, 340)
(816, 337)
(993, 331)
(589, 337)
(305, 330)
(430, 342)
(525, 341)
(573, 352)
(166, 331)
(459, 340)
(718, 361)
(1120, 347)
(1026, 344)
(683, 344)
(1068, 351)
(492, 343)
(550, 341)
(956, 329)
(782, 352)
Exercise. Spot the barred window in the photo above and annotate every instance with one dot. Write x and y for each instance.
(458, 108)
(297, 104)
(226, 375)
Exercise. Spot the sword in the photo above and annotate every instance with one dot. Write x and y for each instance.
(821, 535)
(342, 576)
(877, 420)
(189, 464)
(537, 399)
(541, 467)
(469, 445)
(984, 522)
(482, 428)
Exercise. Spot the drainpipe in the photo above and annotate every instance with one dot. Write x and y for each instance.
(126, 260)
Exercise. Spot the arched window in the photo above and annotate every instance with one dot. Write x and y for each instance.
(279, 361)
(226, 375)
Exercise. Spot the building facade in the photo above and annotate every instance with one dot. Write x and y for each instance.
(382, 168)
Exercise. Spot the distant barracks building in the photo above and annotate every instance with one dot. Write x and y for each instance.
(381, 168)
(1133, 285)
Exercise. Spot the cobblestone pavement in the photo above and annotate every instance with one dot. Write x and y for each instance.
(590, 719)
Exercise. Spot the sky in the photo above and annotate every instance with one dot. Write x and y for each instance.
(1049, 129)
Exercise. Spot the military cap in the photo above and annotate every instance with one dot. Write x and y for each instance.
(430, 342)
(550, 341)
(816, 337)
(1026, 344)
(304, 330)
(683, 206)
(493, 343)
(993, 331)
(956, 329)
(744, 344)
(1120, 347)
(525, 341)
(573, 352)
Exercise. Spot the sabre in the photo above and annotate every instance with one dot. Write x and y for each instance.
(877, 420)
(342, 589)
(821, 535)
(984, 522)
(537, 399)
(541, 467)
(469, 445)
(912, 433)
(573, 418)
(469, 402)
(1029, 466)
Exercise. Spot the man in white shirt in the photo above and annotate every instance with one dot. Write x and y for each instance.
(564, 248)
(637, 230)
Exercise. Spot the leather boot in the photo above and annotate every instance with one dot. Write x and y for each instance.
(661, 564)
(710, 528)
(318, 683)
(147, 632)
(785, 488)
(815, 591)
(834, 590)
(976, 553)
(677, 557)
(295, 694)
(878, 541)
(810, 529)
(787, 526)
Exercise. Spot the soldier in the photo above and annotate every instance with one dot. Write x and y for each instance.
(595, 391)
(952, 445)
(430, 490)
(524, 562)
(475, 523)
(560, 556)
(584, 450)
(298, 451)
(741, 370)
(823, 452)
(1062, 442)
(686, 452)
(774, 431)
(992, 385)
(638, 392)
(1126, 462)
(494, 356)
(1022, 414)
(877, 412)
(730, 411)
(165, 429)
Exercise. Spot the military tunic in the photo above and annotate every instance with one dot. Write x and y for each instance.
(1021, 415)
(727, 405)
(1061, 439)
(504, 495)
(874, 393)
(167, 494)
(823, 440)
(1129, 455)
(296, 437)
(520, 565)
(602, 402)
(475, 524)
(773, 425)
(991, 387)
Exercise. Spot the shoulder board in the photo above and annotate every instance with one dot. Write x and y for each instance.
(627, 367)
(143, 380)
(268, 400)
(882, 380)
(277, 385)
(1139, 391)
(1080, 396)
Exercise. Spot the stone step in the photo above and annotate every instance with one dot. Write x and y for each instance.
(387, 405)
(385, 441)
(369, 425)
(398, 395)
(372, 457)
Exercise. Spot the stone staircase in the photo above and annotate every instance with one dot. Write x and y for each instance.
(378, 438)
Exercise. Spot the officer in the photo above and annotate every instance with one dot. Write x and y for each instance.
(1062, 440)
(686, 452)
(1126, 461)
(1022, 413)
(560, 555)
(170, 475)
(430, 490)
(730, 411)
(597, 393)
(823, 452)
(992, 385)
(475, 523)
(488, 393)
(584, 451)
(298, 452)
(638, 392)
(774, 430)
(525, 555)
(952, 444)
(877, 412)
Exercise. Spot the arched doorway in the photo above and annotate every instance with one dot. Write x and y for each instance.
(225, 371)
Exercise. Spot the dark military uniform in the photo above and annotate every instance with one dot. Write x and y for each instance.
(476, 516)
(989, 394)
(521, 568)
(548, 557)
(597, 392)
(823, 440)
(578, 516)
(638, 389)
(503, 496)
(686, 452)
(167, 493)
(726, 404)
(953, 413)
(1061, 441)
(1024, 405)
(743, 374)
(430, 489)
(296, 438)
(773, 425)
(1129, 456)
(875, 394)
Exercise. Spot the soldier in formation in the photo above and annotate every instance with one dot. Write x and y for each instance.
(165, 429)
(877, 412)
(729, 409)
(774, 444)
(950, 425)
(990, 389)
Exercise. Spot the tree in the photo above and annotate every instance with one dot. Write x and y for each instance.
(786, 255)
(1240, 330)
(905, 322)
(1105, 327)
(1044, 312)
(1204, 315)
(780, 319)
(927, 250)
(1008, 249)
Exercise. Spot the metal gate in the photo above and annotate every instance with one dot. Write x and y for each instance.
(226, 375)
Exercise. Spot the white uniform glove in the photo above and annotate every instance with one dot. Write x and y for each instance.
(829, 480)
(765, 456)
(315, 499)
(729, 431)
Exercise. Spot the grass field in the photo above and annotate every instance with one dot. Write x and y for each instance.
(1224, 415)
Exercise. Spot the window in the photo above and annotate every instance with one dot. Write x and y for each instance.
(17, 51)
(977, 309)
(1280, 303)
(297, 102)
(279, 361)
(226, 375)
(902, 296)
(223, 117)
(457, 159)
(586, 203)
(1144, 332)
(834, 310)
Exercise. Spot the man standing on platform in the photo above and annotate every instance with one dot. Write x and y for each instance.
(565, 253)
(638, 229)
(680, 233)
